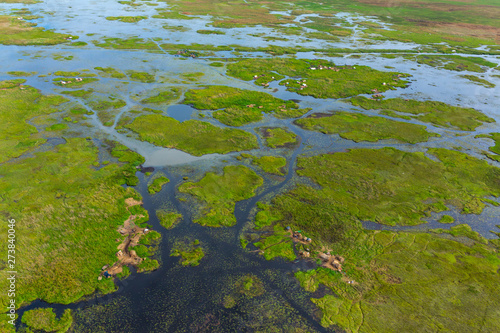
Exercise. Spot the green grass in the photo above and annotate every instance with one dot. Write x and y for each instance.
(320, 83)
(133, 43)
(21, 73)
(479, 81)
(110, 72)
(126, 19)
(446, 219)
(190, 252)
(45, 319)
(210, 32)
(157, 184)
(219, 193)
(437, 113)
(141, 76)
(455, 63)
(271, 164)
(495, 148)
(359, 127)
(20, 32)
(78, 93)
(72, 82)
(240, 107)
(17, 105)
(168, 219)
(277, 137)
(276, 245)
(165, 96)
(192, 136)
(462, 230)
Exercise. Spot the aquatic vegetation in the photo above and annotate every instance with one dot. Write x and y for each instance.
(446, 219)
(110, 72)
(494, 149)
(455, 62)
(192, 136)
(271, 164)
(437, 113)
(126, 19)
(219, 193)
(190, 252)
(21, 73)
(359, 127)
(20, 32)
(19, 104)
(239, 106)
(478, 80)
(277, 137)
(247, 286)
(317, 78)
(462, 230)
(72, 82)
(78, 93)
(210, 32)
(165, 96)
(45, 319)
(135, 43)
(148, 265)
(157, 184)
(277, 245)
(141, 76)
(168, 219)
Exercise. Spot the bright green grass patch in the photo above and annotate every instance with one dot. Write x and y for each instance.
(393, 187)
(321, 35)
(17, 105)
(496, 148)
(319, 83)
(165, 96)
(157, 184)
(141, 76)
(168, 219)
(277, 245)
(148, 265)
(190, 252)
(63, 206)
(57, 127)
(21, 73)
(359, 127)
(239, 106)
(463, 230)
(446, 219)
(277, 137)
(437, 113)
(45, 319)
(20, 32)
(110, 72)
(105, 104)
(67, 74)
(216, 64)
(192, 136)
(455, 62)
(126, 19)
(133, 43)
(271, 164)
(71, 82)
(478, 80)
(192, 77)
(78, 93)
(219, 193)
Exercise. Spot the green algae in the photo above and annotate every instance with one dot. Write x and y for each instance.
(271, 164)
(479, 81)
(437, 113)
(168, 219)
(191, 252)
(110, 72)
(156, 184)
(165, 96)
(45, 319)
(219, 193)
(239, 106)
(277, 137)
(326, 80)
(126, 19)
(19, 104)
(192, 136)
(359, 127)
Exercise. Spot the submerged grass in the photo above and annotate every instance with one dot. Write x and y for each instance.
(359, 127)
(478, 80)
(219, 193)
(438, 113)
(192, 136)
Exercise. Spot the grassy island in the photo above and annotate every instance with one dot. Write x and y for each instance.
(190, 252)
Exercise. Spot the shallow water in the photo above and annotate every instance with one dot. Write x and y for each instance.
(178, 298)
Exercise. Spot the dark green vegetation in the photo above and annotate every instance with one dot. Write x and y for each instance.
(71, 206)
(210, 32)
(462, 230)
(165, 96)
(446, 219)
(455, 63)
(21, 73)
(127, 19)
(277, 137)
(494, 149)
(271, 164)
(239, 106)
(20, 32)
(124, 44)
(219, 193)
(157, 184)
(106, 109)
(141, 76)
(78, 93)
(168, 219)
(147, 249)
(71, 82)
(192, 136)
(279, 244)
(19, 104)
(45, 320)
(190, 252)
(110, 72)
(478, 80)
(246, 287)
(330, 82)
(437, 113)
(358, 127)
